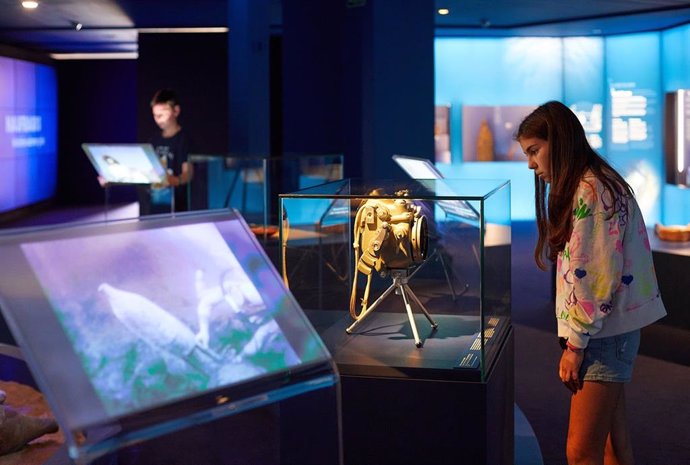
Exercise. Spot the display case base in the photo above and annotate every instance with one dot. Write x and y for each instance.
(384, 345)
(407, 405)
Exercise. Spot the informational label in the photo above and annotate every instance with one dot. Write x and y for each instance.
(24, 131)
(471, 358)
(631, 108)
(591, 115)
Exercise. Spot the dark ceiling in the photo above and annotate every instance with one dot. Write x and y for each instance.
(112, 25)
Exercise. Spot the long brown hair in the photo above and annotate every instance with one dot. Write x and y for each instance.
(571, 157)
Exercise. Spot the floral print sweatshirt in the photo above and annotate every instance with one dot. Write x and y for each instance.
(605, 279)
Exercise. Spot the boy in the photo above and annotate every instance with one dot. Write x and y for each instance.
(172, 146)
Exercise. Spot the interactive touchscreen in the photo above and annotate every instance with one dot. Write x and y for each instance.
(421, 168)
(130, 317)
(126, 163)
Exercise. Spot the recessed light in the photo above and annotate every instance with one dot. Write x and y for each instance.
(443, 11)
(30, 5)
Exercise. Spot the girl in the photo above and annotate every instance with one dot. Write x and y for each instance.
(590, 225)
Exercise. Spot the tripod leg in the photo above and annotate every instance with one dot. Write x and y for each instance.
(410, 316)
(371, 308)
(419, 302)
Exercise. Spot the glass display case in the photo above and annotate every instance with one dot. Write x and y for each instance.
(137, 329)
(401, 276)
(251, 184)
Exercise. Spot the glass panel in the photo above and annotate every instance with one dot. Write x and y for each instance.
(136, 329)
(252, 184)
(357, 253)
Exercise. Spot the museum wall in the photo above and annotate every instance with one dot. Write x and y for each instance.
(96, 103)
(616, 85)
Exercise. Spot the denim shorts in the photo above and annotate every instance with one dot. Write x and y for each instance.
(611, 358)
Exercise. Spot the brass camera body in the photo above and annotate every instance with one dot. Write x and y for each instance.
(390, 233)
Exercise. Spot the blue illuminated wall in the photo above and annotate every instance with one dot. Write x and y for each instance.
(515, 71)
(635, 139)
(601, 78)
(488, 71)
(28, 114)
(675, 72)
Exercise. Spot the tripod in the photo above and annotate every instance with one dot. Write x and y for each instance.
(400, 286)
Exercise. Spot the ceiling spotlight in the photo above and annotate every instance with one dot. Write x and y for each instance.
(484, 23)
(30, 5)
(77, 25)
(443, 11)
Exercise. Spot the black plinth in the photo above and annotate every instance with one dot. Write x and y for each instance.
(671, 262)
(407, 405)
(669, 338)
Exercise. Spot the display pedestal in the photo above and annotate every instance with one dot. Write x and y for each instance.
(670, 261)
(450, 400)
(664, 338)
(402, 404)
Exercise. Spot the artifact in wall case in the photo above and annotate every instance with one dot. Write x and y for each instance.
(269, 231)
(673, 233)
(390, 237)
(485, 143)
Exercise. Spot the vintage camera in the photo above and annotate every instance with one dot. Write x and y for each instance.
(391, 237)
(389, 233)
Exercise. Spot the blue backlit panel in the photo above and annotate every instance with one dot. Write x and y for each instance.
(675, 72)
(28, 135)
(583, 84)
(635, 109)
(491, 71)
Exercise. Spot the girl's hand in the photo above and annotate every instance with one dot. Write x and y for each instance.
(569, 368)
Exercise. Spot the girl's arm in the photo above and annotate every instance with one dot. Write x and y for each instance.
(592, 260)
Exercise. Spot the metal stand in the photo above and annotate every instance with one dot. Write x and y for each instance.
(400, 286)
(106, 188)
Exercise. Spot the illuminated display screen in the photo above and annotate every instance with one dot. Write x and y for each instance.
(141, 315)
(126, 163)
(420, 168)
(28, 146)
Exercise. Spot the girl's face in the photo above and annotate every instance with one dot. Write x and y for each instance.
(538, 157)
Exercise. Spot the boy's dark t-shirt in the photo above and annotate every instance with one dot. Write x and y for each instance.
(173, 152)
